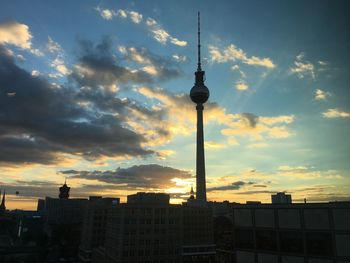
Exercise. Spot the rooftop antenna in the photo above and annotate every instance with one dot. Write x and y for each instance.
(199, 68)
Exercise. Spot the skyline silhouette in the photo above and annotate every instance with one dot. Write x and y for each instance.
(102, 98)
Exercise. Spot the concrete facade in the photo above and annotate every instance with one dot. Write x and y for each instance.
(305, 233)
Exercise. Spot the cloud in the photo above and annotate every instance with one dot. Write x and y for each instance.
(179, 118)
(322, 95)
(42, 122)
(302, 68)
(59, 65)
(157, 31)
(52, 46)
(241, 85)
(135, 17)
(14, 33)
(107, 14)
(150, 176)
(179, 58)
(291, 168)
(158, 67)
(122, 13)
(257, 145)
(57, 62)
(213, 145)
(233, 186)
(247, 124)
(232, 53)
(238, 69)
(35, 73)
(306, 172)
(335, 113)
(161, 35)
(98, 66)
(275, 120)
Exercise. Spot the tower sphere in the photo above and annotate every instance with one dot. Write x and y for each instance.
(199, 93)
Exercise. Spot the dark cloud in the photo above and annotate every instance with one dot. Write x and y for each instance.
(43, 120)
(137, 176)
(99, 66)
(249, 119)
(252, 192)
(234, 186)
(41, 189)
(165, 67)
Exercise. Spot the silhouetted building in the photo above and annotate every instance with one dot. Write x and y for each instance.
(281, 198)
(149, 229)
(2, 206)
(283, 233)
(94, 225)
(198, 236)
(148, 198)
(40, 205)
(145, 229)
(21, 237)
(63, 221)
(64, 191)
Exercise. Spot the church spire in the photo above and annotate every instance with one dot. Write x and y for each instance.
(191, 193)
(3, 206)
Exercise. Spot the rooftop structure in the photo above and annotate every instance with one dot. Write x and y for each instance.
(281, 198)
(64, 191)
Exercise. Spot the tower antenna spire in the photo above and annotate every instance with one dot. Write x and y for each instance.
(199, 68)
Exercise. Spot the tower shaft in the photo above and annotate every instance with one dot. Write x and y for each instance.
(201, 193)
(199, 94)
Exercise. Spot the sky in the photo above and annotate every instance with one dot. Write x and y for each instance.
(97, 93)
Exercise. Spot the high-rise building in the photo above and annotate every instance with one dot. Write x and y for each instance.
(149, 229)
(199, 94)
(281, 198)
(63, 219)
(94, 225)
(145, 229)
(289, 233)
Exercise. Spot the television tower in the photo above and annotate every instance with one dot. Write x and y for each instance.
(199, 94)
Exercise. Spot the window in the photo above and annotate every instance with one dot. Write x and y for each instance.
(319, 243)
(244, 238)
(291, 241)
(266, 240)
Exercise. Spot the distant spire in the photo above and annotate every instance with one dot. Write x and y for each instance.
(199, 68)
(191, 193)
(3, 206)
(64, 191)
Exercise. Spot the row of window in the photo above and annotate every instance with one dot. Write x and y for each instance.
(317, 243)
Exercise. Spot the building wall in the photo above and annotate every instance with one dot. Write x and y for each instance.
(94, 225)
(307, 233)
(144, 233)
